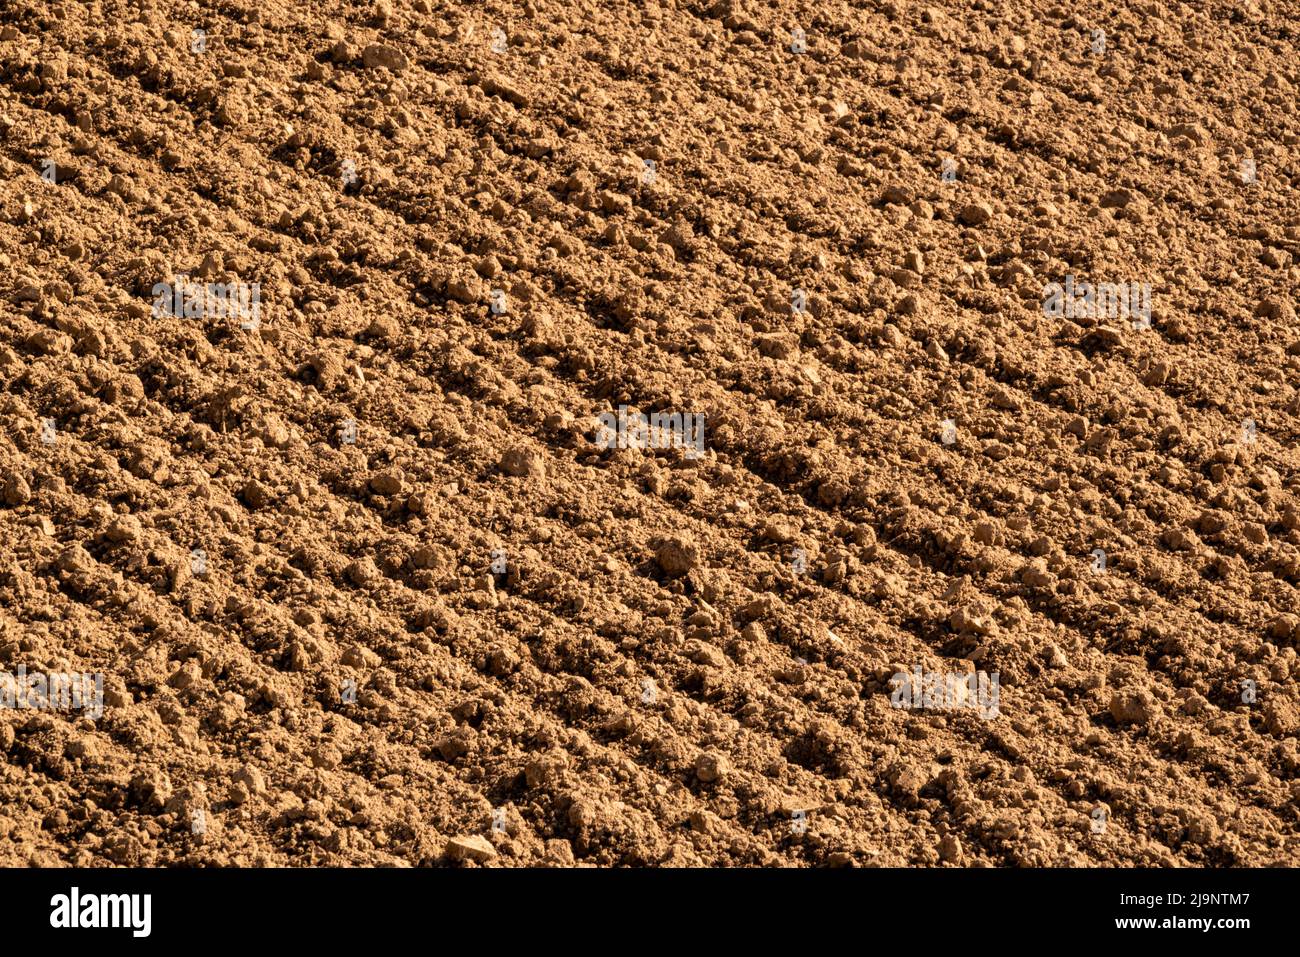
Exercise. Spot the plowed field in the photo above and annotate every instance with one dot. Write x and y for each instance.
(365, 585)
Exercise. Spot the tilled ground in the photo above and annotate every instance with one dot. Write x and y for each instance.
(473, 634)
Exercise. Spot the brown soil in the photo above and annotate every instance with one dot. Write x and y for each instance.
(655, 678)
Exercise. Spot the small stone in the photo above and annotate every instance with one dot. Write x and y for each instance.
(1192, 131)
(780, 533)
(1179, 540)
(343, 52)
(976, 214)
(711, 767)
(471, 847)
(1132, 707)
(778, 345)
(466, 289)
(326, 757)
(232, 111)
(1275, 257)
(703, 822)
(523, 462)
(543, 771)
(1036, 575)
(1116, 199)
(355, 656)
(559, 851)
(677, 555)
(16, 491)
(383, 327)
(1276, 309)
(382, 55)
(580, 182)
(1283, 627)
(362, 572)
(950, 848)
(896, 196)
(389, 482)
(456, 745)
(124, 530)
(255, 494)
(1055, 656)
(252, 778)
(1004, 398)
(703, 653)
(1281, 717)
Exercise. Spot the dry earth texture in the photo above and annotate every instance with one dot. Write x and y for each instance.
(364, 584)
